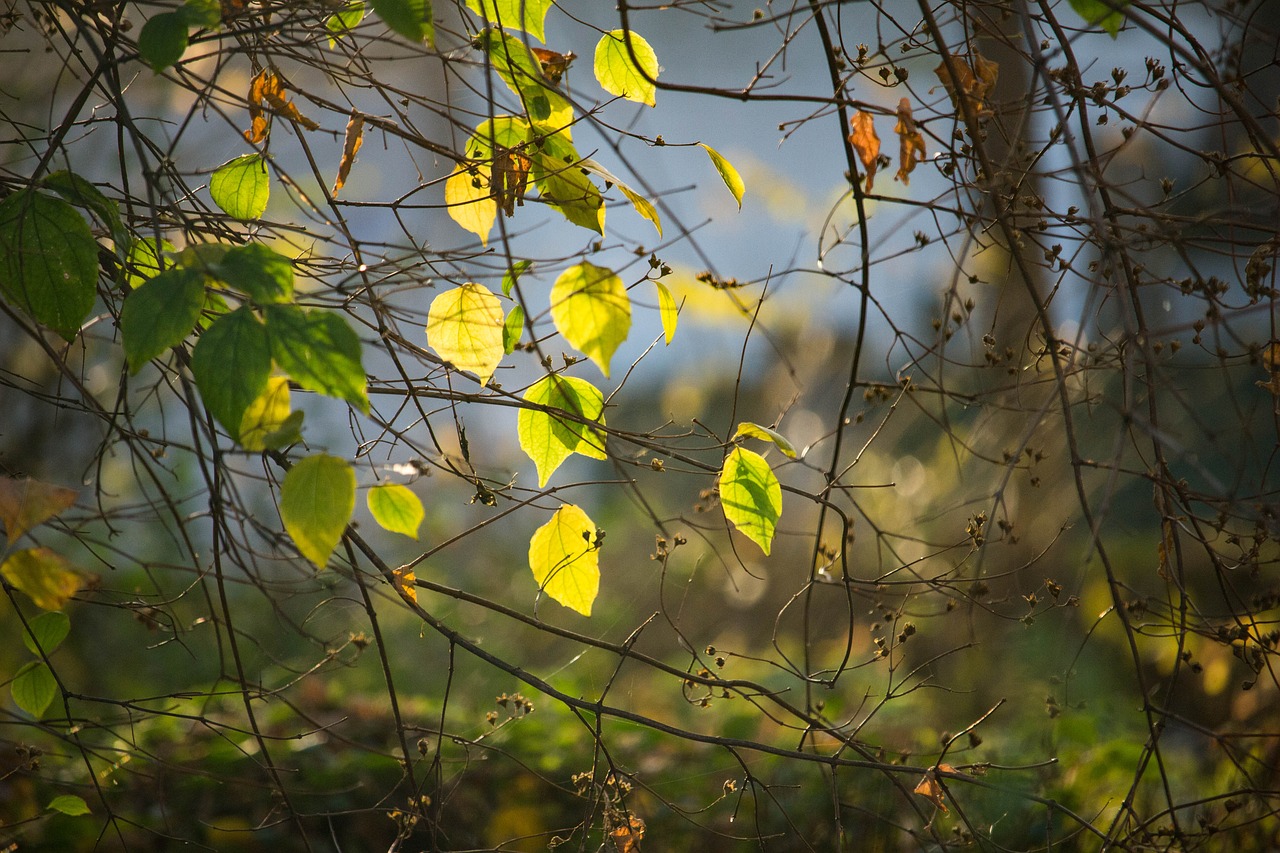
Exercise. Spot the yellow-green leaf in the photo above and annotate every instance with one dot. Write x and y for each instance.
(590, 307)
(512, 328)
(241, 187)
(751, 496)
(667, 310)
(266, 416)
(564, 555)
(464, 327)
(396, 508)
(48, 578)
(621, 74)
(527, 15)
(316, 501)
(27, 502)
(643, 206)
(549, 440)
(728, 174)
(558, 174)
(45, 632)
(522, 72)
(410, 18)
(34, 688)
(746, 428)
(469, 203)
(68, 804)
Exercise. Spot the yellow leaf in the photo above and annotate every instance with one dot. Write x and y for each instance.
(564, 557)
(396, 508)
(266, 415)
(642, 205)
(626, 65)
(26, 503)
(866, 143)
(404, 580)
(47, 577)
(766, 434)
(728, 173)
(549, 440)
(751, 496)
(316, 500)
(668, 311)
(464, 327)
(468, 200)
(590, 307)
(351, 143)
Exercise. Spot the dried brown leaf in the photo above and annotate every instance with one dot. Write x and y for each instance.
(626, 837)
(510, 179)
(977, 77)
(351, 143)
(931, 789)
(911, 149)
(404, 582)
(266, 90)
(866, 143)
(553, 64)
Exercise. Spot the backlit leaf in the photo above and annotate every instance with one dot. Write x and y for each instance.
(144, 261)
(1101, 13)
(512, 329)
(34, 688)
(564, 555)
(510, 179)
(865, 141)
(160, 314)
(931, 789)
(526, 15)
(268, 96)
(68, 804)
(241, 187)
(263, 274)
(668, 311)
(316, 501)
(728, 173)
(590, 307)
(911, 142)
(520, 69)
(267, 416)
(319, 350)
(620, 73)
(46, 632)
(464, 327)
(643, 206)
(751, 496)
(344, 20)
(48, 578)
(26, 503)
(746, 428)
(83, 193)
(48, 261)
(512, 275)
(351, 142)
(548, 439)
(558, 172)
(231, 362)
(396, 508)
(410, 18)
(469, 202)
(163, 40)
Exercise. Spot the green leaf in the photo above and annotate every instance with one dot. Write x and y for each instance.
(468, 200)
(48, 261)
(527, 15)
(34, 688)
(564, 555)
(746, 428)
(728, 174)
(262, 273)
(549, 440)
(68, 804)
(316, 501)
(26, 503)
(410, 18)
(620, 74)
(464, 327)
(48, 578)
(1101, 13)
(47, 631)
(522, 72)
(512, 275)
(558, 174)
(144, 261)
(590, 307)
(344, 20)
(512, 329)
(202, 14)
(83, 193)
(668, 311)
(319, 351)
(396, 508)
(160, 314)
(163, 40)
(751, 496)
(231, 363)
(269, 423)
(241, 187)
(643, 206)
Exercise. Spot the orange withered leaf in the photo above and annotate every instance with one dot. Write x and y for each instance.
(351, 143)
(404, 583)
(266, 90)
(866, 143)
(911, 149)
(553, 64)
(976, 75)
(931, 789)
(626, 837)
(510, 179)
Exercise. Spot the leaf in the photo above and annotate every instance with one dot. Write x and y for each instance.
(263, 274)
(643, 206)
(512, 329)
(549, 440)
(46, 632)
(911, 142)
(144, 260)
(620, 73)
(865, 141)
(746, 428)
(160, 314)
(410, 18)
(34, 688)
(396, 508)
(265, 425)
(1101, 13)
(465, 328)
(405, 582)
(267, 90)
(316, 501)
(351, 142)
(231, 362)
(977, 77)
(728, 174)
(68, 804)
(510, 178)
(554, 64)
(527, 15)
(319, 351)
(469, 203)
(668, 311)
(83, 193)
(561, 182)
(751, 496)
(626, 837)
(48, 578)
(512, 275)
(241, 187)
(931, 789)
(344, 20)
(163, 40)
(520, 69)
(203, 14)
(48, 261)
(564, 555)
(26, 503)
(590, 307)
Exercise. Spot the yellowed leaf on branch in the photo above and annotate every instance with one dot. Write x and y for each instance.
(510, 179)
(26, 503)
(266, 90)
(404, 581)
(350, 145)
(866, 143)
(626, 837)
(931, 789)
(977, 78)
(912, 143)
